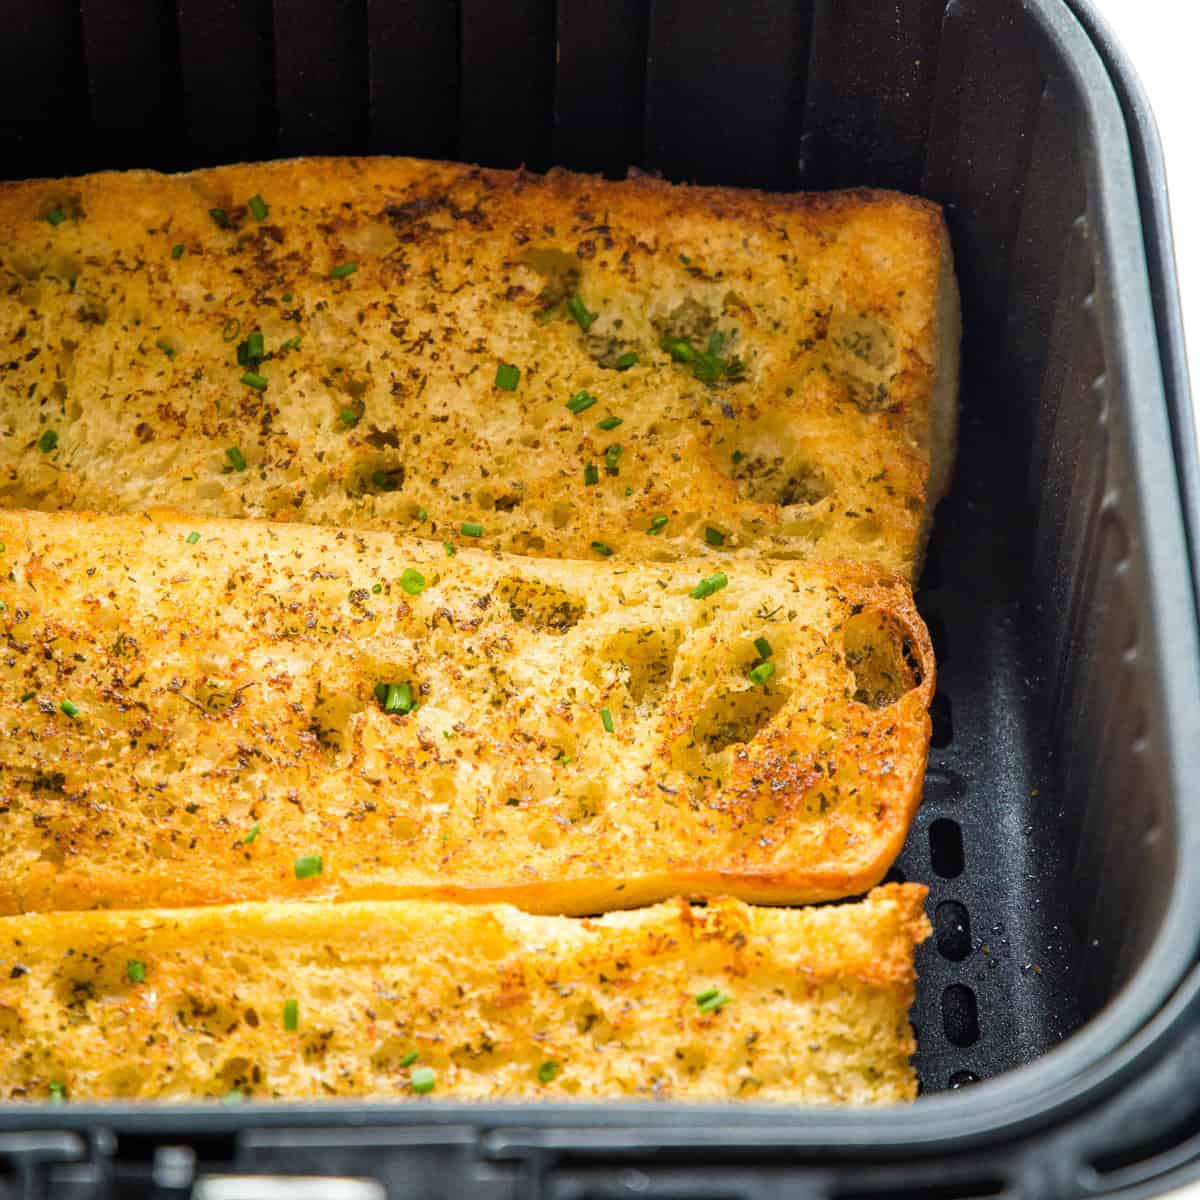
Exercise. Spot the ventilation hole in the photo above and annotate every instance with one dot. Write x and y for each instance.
(942, 785)
(961, 1079)
(952, 927)
(960, 1016)
(879, 654)
(895, 875)
(937, 635)
(946, 848)
(943, 721)
(540, 605)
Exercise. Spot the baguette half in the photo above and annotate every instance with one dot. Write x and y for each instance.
(285, 1001)
(203, 711)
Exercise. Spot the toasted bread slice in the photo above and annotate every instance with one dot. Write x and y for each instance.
(783, 367)
(383, 998)
(192, 709)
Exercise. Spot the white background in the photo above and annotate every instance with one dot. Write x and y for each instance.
(1160, 36)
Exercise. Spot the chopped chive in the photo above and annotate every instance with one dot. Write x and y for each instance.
(422, 515)
(69, 708)
(220, 216)
(287, 297)
(253, 380)
(348, 416)
(603, 548)
(291, 1015)
(28, 696)
(177, 251)
(626, 360)
(547, 1071)
(714, 537)
(237, 460)
(256, 347)
(591, 474)
(343, 270)
(580, 402)
(135, 971)
(410, 1058)
(714, 999)
(308, 865)
(606, 720)
(610, 423)
(250, 834)
(422, 1079)
(257, 206)
(450, 550)
(192, 538)
(56, 216)
(507, 377)
(376, 588)
(708, 585)
(293, 343)
(762, 673)
(48, 441)
(412, 581)
(680, 349)
(612, 457)
(657, 524)
(58, 1092)
(580, 314)
(230, 330)
(763, 647)
(683, 258)
(166, 347)
(471, 529)
(395, 697)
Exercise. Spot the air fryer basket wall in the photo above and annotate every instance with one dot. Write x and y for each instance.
(1056, 833)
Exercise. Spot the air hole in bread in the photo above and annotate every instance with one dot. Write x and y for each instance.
(641, 661)
(880, 656)
(559, 270)
(539, 605)
(736, 718)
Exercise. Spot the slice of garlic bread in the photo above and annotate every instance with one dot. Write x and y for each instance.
(196, 711)
(574, 365)
(398, 999)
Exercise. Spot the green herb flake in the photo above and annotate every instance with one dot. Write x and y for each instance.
(412, 581)
(308, 866)
(579, 313)
(287, 297)
(449, 548)
(250, 834)
(177, 251)
(376, 588)
(610, 423)
(48, 441)
(471, 529)
(626, 360)
(507, 377)
(737, 457)
(580, 402)
(220, 217)
(657, 524)
(548, 1071)
(763, 647)
(69, 708)
(293, 343)
(192, 538)
(714, 537)
(258, 207)
(56, 216)
(422, 515)
(760, 674)
(58, 1092)
(591, 474)
(349, 416)
(237, 460)
(708, 585)
(422, 1080)
(291, 1015)
(410, 1058)
(135, 971)
(28, 696)
(253, 380)
(612, 458)
(230, 330)
(603, 549)
(166, 347)
(712, 1000)
(343, 270)
(707, 365)
(606, 719)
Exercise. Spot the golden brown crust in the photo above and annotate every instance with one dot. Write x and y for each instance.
(835, 303)
(484, 997)
(224, 674)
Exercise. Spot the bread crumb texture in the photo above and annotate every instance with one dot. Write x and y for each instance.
(198, 711)
(408, 998)
(406, 346)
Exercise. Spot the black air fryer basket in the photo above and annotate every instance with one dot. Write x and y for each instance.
(1058, 1016)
